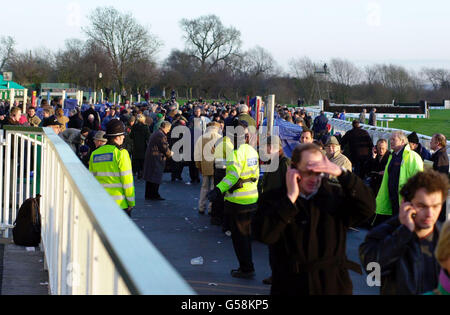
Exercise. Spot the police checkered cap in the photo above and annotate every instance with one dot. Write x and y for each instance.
(115, 128)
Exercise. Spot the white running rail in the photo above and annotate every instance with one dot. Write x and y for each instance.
(90, 244)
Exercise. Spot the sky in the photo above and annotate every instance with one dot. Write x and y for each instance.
(410, 33)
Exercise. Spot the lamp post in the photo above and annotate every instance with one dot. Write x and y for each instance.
(100, 76)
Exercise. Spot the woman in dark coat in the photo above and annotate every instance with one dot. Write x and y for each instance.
(140, 134)
(155, 161)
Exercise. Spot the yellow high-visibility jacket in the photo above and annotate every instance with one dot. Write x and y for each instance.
(112, 168)
(242, 164)
(222, 149)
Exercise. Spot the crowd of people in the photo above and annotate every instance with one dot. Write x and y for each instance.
(302, 209)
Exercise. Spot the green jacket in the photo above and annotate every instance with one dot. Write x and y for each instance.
(411, 164)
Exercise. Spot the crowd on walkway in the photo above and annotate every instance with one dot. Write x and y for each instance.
(302, 209)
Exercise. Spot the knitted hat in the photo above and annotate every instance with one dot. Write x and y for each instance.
(115, 128)
(413, 138)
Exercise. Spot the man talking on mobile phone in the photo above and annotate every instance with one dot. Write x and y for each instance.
(404, 246)
(307, 225)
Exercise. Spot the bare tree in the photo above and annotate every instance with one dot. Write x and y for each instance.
(303, 69)
(259, 62)
(208, 40)
(439, 78)
(343, 72)
(371, 74)
(6, 50)
(125, 41)
(32, 67)
(343, 75)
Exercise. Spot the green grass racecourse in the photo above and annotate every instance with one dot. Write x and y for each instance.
(439, 122)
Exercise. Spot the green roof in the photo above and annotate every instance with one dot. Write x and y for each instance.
(12, 85)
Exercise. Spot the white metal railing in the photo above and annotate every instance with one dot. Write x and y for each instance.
(90, 244)
(376, 133)
(18, 162)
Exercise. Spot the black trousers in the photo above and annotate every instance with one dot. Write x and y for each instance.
(151, 190)
(217, 208)
(360, 167)
(177, 170)
(241, 220)
(193, 172)
(138, 166)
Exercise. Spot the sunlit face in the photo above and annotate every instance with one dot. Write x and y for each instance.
(428, 206)
(381, 148)
(56, 129)
(434, 144)
(16, 116)
(396, 143)
(332, 149)
(306, 138)
(413, 146)
(310, 181)
(119, 139)
(31, 112)
(98, 143)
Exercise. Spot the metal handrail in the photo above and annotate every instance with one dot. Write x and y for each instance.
(75, 208)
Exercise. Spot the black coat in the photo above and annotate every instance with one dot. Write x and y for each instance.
(360, 144)
(155, 157)
(140, 134)
(376, 166)
(397, 250)
(308, 239)
(440, 161)
(75, 122)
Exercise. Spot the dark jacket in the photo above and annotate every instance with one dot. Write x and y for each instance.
(155, 157)
(140, 134)
(359, 144)
(440, 161)
(376, 166)
(320, 124)
(75, 122)
(86, 114)
(372, 119)
(397, 250)
(308, 238)
(275, 180)
(423, 152)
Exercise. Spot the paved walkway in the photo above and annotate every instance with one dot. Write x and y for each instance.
(180, 233)
(22, 271)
